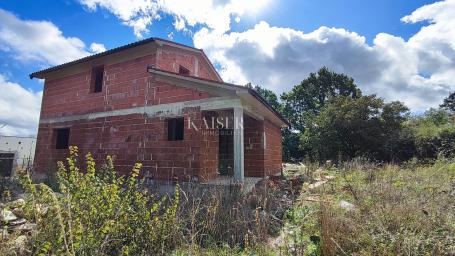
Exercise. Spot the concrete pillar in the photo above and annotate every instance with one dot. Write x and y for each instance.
(238, 145)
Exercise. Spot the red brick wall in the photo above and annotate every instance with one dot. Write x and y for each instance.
(136, 138)
(272, 152)
(171, 58)
(126, 85)
(253, 147)
(130, 138)
(209, 150)
(139, 138)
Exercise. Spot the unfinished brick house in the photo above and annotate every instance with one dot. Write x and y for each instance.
(162, 104)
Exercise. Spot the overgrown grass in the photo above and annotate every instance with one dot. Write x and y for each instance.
(398, 211)
(95, 212)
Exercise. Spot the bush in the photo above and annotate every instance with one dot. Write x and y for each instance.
(98, 213)
(447, 142)
(435, 134)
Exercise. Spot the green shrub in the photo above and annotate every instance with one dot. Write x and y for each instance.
(98, 213)
(447, 147)
(440, 141)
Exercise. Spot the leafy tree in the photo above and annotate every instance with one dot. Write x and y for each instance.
(399, 140)
(306, 99)
(436, 116)
(434, 134)
(267, 94)
(365, 126)
(449, 102)
(292, 150)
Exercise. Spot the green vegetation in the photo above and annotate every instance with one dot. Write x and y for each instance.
(98, 213)
(434, 134)
(95, 212)
(366, 126)
(449, 102)
(396, 211)
(358, 208)
(332, 120)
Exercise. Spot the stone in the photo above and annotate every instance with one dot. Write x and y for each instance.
(26, 227)
(317, 184)
(7, 216)
(19, 212)
(18, 222)
(347, 205)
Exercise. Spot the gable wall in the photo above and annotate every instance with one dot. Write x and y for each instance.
(170, 58)
(131, 138)
(126, 85)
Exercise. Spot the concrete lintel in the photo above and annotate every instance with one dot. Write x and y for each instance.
(161, 110)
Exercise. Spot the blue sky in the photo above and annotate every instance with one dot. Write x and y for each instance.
(272, 43)
(364, 17)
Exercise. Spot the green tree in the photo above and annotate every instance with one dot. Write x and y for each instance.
(434, 133)
(267, 94)
(349, 127)
(399, 140)
(449, 102)
(306, 99)
(304, 102)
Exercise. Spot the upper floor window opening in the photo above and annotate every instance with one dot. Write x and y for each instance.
(184, 71)
(97, 79)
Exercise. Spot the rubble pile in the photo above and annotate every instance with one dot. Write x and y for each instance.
(16, 230)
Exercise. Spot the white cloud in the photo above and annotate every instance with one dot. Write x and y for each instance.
(39, 41)
(19, 109)
(137, 14)
(31, 41)
(97, 48)
(214, 14)
(418, 71)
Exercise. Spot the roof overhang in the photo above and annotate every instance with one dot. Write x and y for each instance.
(115, 55)
(251, 100)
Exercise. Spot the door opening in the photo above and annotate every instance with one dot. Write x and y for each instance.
(226, 152)
(6, 164)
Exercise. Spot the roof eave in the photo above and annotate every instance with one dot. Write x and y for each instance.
(39, 74)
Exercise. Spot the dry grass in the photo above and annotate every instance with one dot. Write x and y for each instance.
(407, 210)
(226, 218)
(398, 210)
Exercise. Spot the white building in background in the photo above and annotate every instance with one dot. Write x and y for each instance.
(15, 152)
